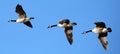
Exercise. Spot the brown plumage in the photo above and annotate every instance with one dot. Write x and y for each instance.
(102, 36)
(103, 39)
(69, 35)
(68, 27)
(102, 31)
(20, 11)
(22, 15)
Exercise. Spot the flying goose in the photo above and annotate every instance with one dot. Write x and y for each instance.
(22, 17)
(65, 23)
(102, 31)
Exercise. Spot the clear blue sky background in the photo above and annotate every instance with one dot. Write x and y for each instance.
(16, 38)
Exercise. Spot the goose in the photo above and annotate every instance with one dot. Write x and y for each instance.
(22, 17)
(68, 27)
(102, 32)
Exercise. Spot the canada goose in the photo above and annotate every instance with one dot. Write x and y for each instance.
(22, 17)
(65, 23)
(102, 31)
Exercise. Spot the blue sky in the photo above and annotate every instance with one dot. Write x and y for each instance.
(16, 38)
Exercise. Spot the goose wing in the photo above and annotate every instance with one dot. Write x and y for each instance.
(100, 24)
(21, 13)
(103, 39)
(69, 35)
(28, 23)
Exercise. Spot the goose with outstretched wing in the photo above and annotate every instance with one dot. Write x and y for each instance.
(22, 17)
(102, 32)
(68, 27)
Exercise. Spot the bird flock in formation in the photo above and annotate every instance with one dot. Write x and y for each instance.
(100, 28)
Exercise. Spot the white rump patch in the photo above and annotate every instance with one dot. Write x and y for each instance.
(104, 30)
